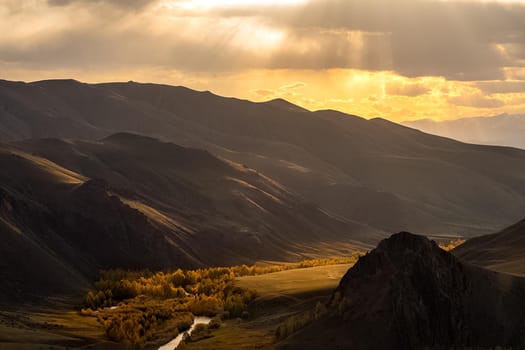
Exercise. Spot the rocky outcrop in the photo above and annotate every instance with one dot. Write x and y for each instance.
(409, 294)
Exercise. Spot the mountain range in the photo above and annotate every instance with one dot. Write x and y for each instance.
(130, 175)
(135, 202)
(502, 130)
(369, 172)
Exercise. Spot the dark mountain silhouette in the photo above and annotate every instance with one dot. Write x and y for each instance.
(502, 130)
(134, 202)
(503, 251)
(369, 171)
(409, 294)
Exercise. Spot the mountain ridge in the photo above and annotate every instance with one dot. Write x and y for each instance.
(373, 172)
(504, 129)
(135, 202)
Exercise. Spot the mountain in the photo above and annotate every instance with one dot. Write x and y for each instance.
(372, 172)
(502, 251)
(409, 294)
(134, 202)
(502, 130)
(58, 228)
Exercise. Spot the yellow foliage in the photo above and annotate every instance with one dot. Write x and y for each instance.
(147, 301)
(452, 244)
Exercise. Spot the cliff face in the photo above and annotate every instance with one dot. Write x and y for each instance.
(409, 294)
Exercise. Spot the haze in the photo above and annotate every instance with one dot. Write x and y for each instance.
(401, 60)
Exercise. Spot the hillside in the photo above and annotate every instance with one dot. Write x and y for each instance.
(59, 228)
(135, 202)
(502, 130)
(409, 294)
(373, 172)
(502, 251)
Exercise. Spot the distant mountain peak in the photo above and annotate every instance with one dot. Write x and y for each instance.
(502, 130)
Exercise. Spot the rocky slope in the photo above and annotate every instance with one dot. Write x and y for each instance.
(409, 294)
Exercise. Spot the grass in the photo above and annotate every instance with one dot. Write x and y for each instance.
(281, 295)
(55, 327)
(238, 335)
(297, 281)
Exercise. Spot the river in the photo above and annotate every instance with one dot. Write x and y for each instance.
(176, 341)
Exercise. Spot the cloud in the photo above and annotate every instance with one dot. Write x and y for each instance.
(264, 92)
(118, 3)
(293, 86)
(458, 40)
(476, 100)
(502, 87)
(406, 89)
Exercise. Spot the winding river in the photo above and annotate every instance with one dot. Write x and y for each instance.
(174, 343)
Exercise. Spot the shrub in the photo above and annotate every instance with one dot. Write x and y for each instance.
(215, 322)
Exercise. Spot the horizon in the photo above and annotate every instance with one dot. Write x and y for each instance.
(401, 122)
(422, 59)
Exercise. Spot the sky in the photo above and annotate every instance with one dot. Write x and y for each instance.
(397, 59)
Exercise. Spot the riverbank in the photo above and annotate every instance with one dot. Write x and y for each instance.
(175, 342)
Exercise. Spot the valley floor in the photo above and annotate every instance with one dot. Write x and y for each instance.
(56, 326)
(281, 294)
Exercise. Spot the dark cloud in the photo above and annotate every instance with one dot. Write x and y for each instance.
(95, 48)
(326, 49)
(118, 3)
(457, 40)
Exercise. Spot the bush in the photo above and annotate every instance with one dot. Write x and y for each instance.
(215, 322)
(200, 331)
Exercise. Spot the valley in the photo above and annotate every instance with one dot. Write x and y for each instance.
(60, 324)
